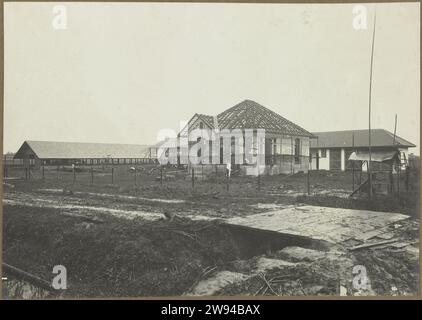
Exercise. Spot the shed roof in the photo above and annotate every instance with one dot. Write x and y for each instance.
(82, 150)
(376, 156)
(344, 139)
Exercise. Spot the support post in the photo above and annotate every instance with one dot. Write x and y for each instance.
(161, 175)
(193, 178)
(227, 180)
(135, 176)
(112, 175)
(92, 175)
(43, 171)
(259, 181)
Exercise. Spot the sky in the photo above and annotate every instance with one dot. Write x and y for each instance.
(119, 73)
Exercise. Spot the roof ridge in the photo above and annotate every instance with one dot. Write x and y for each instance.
(84, 142)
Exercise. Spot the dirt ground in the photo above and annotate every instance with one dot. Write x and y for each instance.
(115, 240)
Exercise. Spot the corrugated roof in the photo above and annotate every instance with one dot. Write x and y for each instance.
(249, 114)
(82, 150)
(344, 139)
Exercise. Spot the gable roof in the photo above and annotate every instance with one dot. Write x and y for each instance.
(82, 150)
(344, 139)
(249, 114)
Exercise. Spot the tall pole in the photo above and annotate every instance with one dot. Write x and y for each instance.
(395, 129)
(394, 137)
(370, 101)
(353, 162)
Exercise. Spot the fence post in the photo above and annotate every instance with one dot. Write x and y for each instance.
(193, 178)
(259, 181)
(112, 175)
(391, 189)
(135, 176)
(161, 175)
(92, 175)
(5, 171)
(228, 179)
(407, 178)
(43, 177)
(58, 173)
(74, 174)
(307, 183)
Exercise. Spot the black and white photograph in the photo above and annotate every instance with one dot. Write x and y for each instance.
(193, 150)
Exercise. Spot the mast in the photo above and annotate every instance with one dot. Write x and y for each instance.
(370, 102)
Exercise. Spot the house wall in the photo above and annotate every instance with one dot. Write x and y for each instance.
(279, 156)
(281, 159)
(324, 162)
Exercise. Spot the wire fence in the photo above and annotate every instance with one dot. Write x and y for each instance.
(210, 176)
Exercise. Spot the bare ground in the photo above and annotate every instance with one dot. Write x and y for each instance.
(115, 241)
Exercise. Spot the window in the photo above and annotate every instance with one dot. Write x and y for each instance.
(198, 153)
(201, 125)
(323, 153)
(276, 146)
(297, 151)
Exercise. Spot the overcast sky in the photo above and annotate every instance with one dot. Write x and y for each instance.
(121, 72)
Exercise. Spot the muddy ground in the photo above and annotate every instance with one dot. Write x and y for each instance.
(115, 240)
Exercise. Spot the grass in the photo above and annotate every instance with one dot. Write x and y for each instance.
(116, 257)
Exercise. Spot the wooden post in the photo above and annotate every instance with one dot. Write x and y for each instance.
(259, 181)
(398, 179)
(369, 167)
(353, 163)
(43, 171)
(92, 175)
(391, 182)
(291, 160)
(112, 175)
(161, 175)
(227, 180)
(58, 169)
(135, 176)
(74, 174)
(193, 178)
(407, 178)
(308, 187)
(202, 171)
